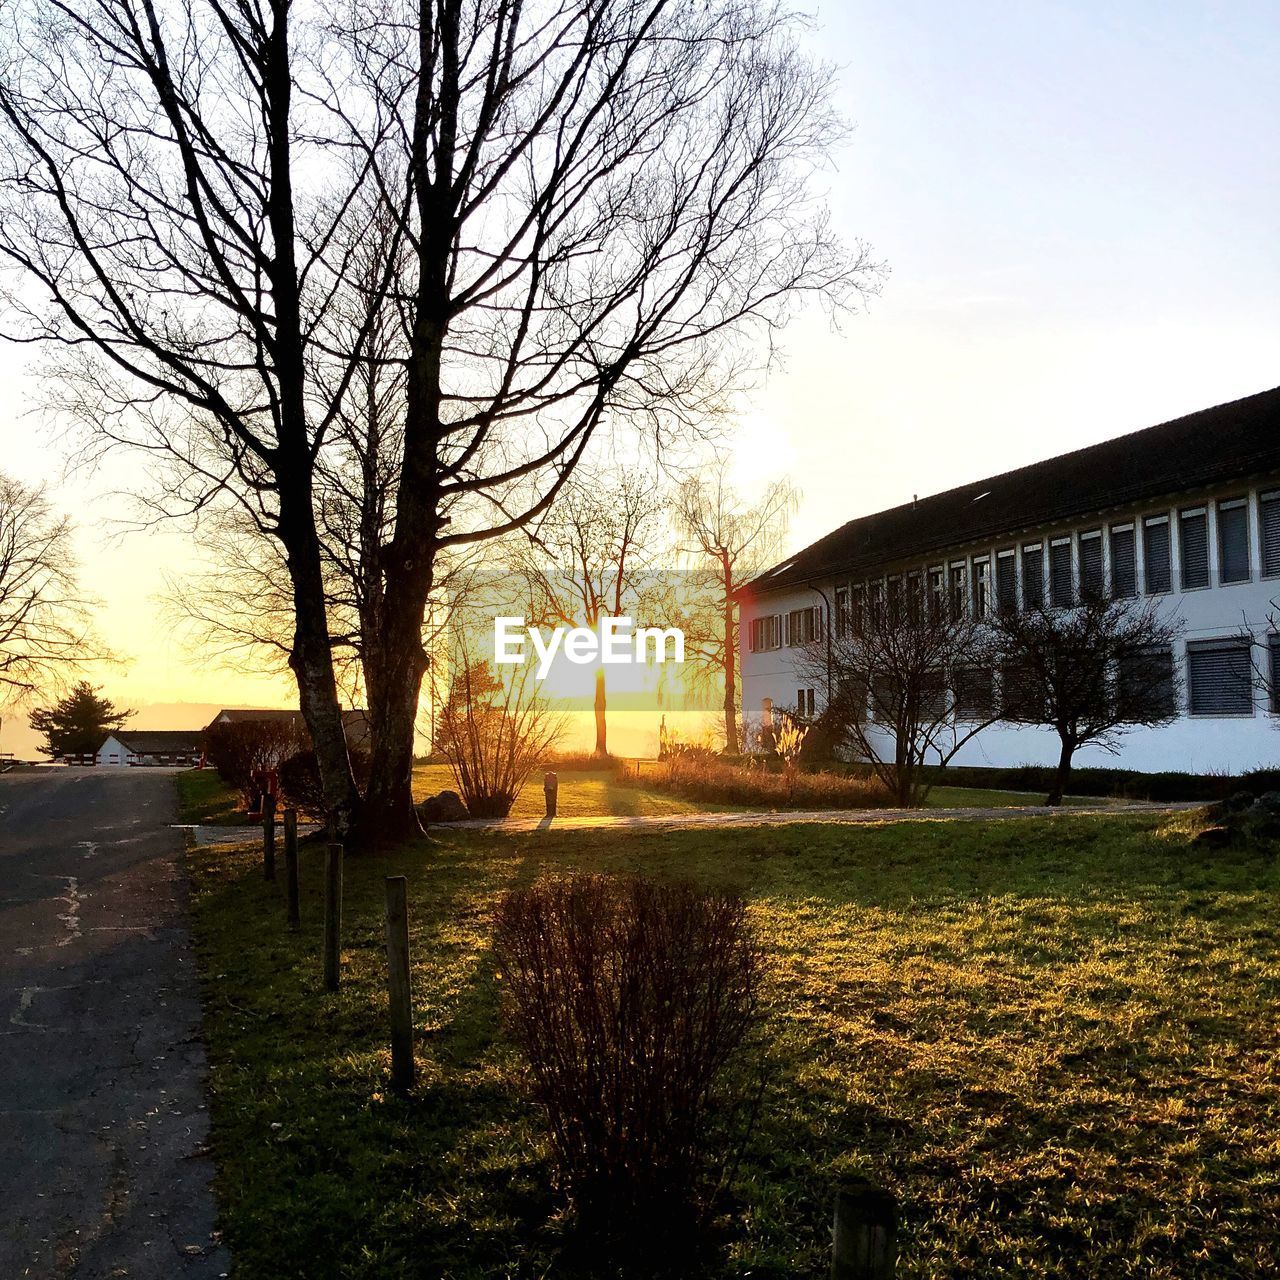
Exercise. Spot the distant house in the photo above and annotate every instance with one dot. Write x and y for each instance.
(151, 747)
(355, 722)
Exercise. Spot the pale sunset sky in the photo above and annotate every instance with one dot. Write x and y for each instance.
(1080, 206)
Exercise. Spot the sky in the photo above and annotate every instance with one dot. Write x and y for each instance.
(1079, 206)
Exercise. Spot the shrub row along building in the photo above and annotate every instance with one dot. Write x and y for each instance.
(1185, 514)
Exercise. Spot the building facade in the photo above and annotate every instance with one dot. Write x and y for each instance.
(151, 747)
(1186, 514)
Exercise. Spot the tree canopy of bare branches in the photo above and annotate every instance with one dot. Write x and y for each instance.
(1089, 672)
(895, 674)
(45, 634)
(512, 225)
(728, 541)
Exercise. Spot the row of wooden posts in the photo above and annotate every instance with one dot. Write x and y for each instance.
(399, 990)
(865, 1225)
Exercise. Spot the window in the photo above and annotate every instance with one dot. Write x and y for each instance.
(1155, 555)
(1061, 593)
(804, 626)
(1033, 575)
(937, 591)
(1019, 693)
(981, 587)
(915, 596)
(857, 608)
(1233, 541)
(1193, 543)
(1124, 567)
(1220, 678)
(1144, 684)
(1006, 581)
(959, 590)
(884, 697)
(933, 697)
(1273, 672)
(842, 612)
(766, 633)
(975, 693)
(1269, 519)
(895, 601)
(805, 703)
(1092, 578)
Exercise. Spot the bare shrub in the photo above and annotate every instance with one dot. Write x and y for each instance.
(630, 998)
(757, 786)
(493, 733)
(244, 747)
(300, 783)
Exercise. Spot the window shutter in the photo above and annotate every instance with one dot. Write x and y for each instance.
(1124, 574)
(1233, 541)
(1006, 582)
(1033, 575)
(1194, 541)
(1091, 576)
(1273, 648)
(1155, 544)
(1061, 595)
(1269, 517)
(1220, 678)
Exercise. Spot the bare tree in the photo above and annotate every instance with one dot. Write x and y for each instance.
(1089, 672)
(904, 685)
(149, 206)
(592, 556)
(595, 212)
(729, 541)
(45, 633)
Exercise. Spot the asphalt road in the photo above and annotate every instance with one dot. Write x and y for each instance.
(102, 1110)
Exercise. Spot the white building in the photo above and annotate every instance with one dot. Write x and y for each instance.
(1187, 513)
(151, 747)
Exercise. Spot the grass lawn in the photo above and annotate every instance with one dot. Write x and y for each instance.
(983, 798)
(204, 798)
(580, 793)
(1055, 1039)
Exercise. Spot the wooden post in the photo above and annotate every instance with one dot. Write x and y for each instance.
(399, 992)
(332, 916)
(866, 1227)
(549, 785)
(291, 866)
(269, 836)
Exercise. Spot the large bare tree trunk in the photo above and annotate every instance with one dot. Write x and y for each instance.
(1063, 772)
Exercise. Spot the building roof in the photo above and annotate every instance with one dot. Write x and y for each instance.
(355, 720)
(151, 742)
(1229, 441)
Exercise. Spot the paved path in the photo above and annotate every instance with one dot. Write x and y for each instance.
(102, 1112)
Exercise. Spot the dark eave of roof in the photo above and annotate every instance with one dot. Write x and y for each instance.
(1227, 442)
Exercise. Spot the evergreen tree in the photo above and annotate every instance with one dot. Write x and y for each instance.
(78, 722)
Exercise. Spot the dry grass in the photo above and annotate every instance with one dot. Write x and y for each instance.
(715, 782)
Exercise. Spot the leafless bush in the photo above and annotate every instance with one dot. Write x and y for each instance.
(300, 780)
(494, 732)
(242, 748)
(630, 998)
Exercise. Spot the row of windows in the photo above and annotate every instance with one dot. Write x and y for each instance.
(1220, 679)
(1059, 571)
(802, 627)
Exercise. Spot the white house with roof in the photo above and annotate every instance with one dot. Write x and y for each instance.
(151, 747)
(1186, 513)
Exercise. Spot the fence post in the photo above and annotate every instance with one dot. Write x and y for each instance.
(865, 1231)
(549, 785)
(332, 916)
(269, 836)
(399, 992)
(291, 866)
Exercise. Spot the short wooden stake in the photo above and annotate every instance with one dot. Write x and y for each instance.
(865, 1234)
(332, 916)
(550, 784)
(269, 837)
(291, 866)
(398, 989)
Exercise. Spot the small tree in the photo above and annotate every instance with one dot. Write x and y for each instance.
(494, 732)
(630, 998)
(1089, 672)
(728, 541)
(78, 723)
(892, 671)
